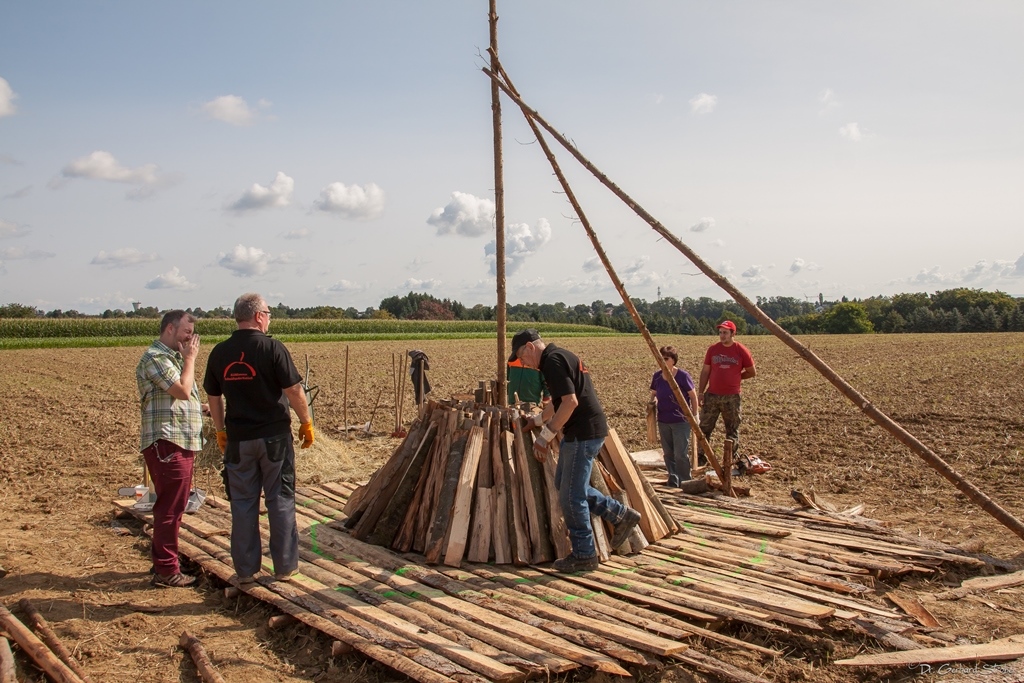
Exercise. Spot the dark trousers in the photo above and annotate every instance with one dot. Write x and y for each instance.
(170, 467)
(267, 465)
(728, 406)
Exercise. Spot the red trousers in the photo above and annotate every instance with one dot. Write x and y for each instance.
(170, 468)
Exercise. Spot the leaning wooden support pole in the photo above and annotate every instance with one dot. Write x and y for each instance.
(36, 649)
(8, 671)
(191, 644)
(879, 417)
(37, 623)
(621, 289)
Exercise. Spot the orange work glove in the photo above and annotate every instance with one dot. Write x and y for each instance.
(222, 440)
(306, 434)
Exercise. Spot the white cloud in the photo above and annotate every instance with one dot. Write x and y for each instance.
(413, 284)
(658, 98)
(521, 242)
(718, 243)
(828, 101)
(7, 97)
(22, 254)
(593, 264)
(1018, 267)
(637, 266)
(101, 165)
(277, 195)
(9, 229)
(245, 261)
(703, 225)
(346, 286)
(703, 103)
(172, 279)
(298, 234)
(359, 202)
(416, 264)
(982, 274)
(232, 109)
(725, 267)
(115, 300)
(288, 258)
(122, 258)
(753, 271)
(464, 215)
(800, 266)
(852, 132)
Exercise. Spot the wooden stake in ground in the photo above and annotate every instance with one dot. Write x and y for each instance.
(344, 399)
(36, 649)
(191, 644)
(39, 625)
(499, 209)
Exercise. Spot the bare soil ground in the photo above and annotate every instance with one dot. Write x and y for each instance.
(68, 440)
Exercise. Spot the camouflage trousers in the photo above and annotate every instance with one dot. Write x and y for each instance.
(728, 406)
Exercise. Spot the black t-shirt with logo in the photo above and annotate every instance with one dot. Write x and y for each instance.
(564, 373)
(250, 370)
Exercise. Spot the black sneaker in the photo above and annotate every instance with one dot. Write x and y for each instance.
(623, 528)
(673, 481)
(570, 564)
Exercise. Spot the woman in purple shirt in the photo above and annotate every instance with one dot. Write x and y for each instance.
(673, 428)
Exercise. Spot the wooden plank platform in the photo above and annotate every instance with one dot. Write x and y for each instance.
(734, 567)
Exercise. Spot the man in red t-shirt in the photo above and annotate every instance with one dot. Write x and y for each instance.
(726, 365)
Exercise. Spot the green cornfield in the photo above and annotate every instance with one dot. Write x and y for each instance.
(82, 332)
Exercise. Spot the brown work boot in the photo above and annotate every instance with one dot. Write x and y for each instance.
(623, 528)
(570, 564)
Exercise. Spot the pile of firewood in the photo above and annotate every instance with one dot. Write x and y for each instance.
(464, 485)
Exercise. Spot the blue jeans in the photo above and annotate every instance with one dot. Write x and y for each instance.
(578, 498)
(675, 442)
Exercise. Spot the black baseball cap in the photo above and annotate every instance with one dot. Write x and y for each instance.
(521, 338)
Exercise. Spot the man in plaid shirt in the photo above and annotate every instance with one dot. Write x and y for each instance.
(172, 428)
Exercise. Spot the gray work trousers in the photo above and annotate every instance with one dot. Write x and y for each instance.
(267, 464)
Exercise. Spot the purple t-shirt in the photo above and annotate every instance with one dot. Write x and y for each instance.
(668, 409)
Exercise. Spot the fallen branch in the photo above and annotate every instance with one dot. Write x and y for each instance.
(38, 624)
(8, 673)
(191, 644)
(36, 649)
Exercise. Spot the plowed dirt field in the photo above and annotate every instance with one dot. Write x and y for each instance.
(68, 440)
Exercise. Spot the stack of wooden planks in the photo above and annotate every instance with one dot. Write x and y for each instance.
(464, 486)
(739, 578)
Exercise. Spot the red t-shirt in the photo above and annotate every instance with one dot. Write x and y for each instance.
(727, 362)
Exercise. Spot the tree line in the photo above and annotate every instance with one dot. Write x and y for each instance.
(951, 310)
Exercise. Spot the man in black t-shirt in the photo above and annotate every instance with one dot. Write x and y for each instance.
(578, 413)
(259, 380)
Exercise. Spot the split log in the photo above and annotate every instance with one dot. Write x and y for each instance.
(462, 508)
(982, 584)
(36, 649)
(381, 490)
(500, 519)
(556, 520)
(8, 670)
(519, 537)
(914, 609)
(38, 624)
(405, 536)
(1011, 647)
(727, 466)
(437, 537)
(670, 522)
(397, 498)
(651, 522)
(534, 501)
(194, 647)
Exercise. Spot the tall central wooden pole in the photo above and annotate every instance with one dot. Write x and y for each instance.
(499, 210)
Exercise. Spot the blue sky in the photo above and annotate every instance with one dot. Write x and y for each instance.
(179, 154)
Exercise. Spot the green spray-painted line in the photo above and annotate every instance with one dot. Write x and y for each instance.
(345, 589)
(714, 511)
(312, 538)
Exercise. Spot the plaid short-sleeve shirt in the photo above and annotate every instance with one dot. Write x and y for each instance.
(163, 416)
